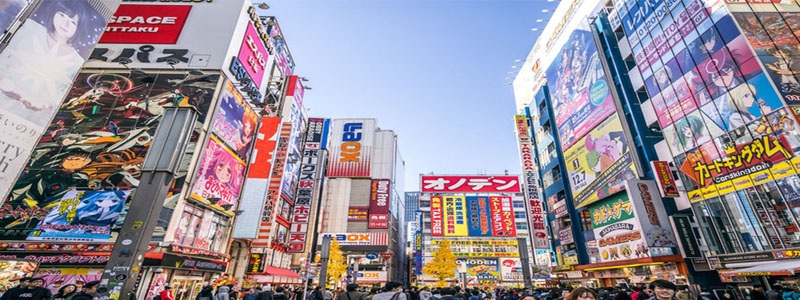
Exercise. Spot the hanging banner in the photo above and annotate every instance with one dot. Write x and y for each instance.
(85, 216)
(455, 216)
(502, 213)
(267, 218)
(437, 222)
(479, 219)
(307, 182)
(470, 184)
(666, 182)
(379, 204)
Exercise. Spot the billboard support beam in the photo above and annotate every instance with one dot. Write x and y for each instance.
(526, 265)
(323, 260)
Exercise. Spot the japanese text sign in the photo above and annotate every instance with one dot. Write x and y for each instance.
(455, 219)
(437, 222)
(502, 216)
(470, 184)
(253, 55)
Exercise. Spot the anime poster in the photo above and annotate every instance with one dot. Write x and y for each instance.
(599, 163)
(688, 133)
(292, 169)
(219, 175)
(482, 269)
(773, 36)
(81, 216)
(235, 121)
(38, 66)
(580, 92)
(743, 104)
(55, 278)
(11, 271)
(97, 140)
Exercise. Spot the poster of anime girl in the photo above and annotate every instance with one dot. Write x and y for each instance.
(235, 121)
(581, 95)
(85, 216)
(219, 175)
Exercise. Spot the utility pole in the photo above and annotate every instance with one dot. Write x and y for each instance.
(160, 166)
(323, 259)
(522, 243)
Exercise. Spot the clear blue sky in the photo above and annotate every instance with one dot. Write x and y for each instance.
(431, 70)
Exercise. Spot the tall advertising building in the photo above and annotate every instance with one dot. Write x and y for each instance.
(691, 101)
(484, 217)
(64, 212)
(363, 207)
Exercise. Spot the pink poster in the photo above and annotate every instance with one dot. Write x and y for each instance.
(253, 55)
(219, 176)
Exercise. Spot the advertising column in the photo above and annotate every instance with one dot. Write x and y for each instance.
(309, 171)
(537, 217)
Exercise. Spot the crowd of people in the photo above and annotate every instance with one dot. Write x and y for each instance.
(31, 289)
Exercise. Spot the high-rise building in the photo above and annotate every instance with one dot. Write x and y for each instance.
(362, 205)
(412, 204)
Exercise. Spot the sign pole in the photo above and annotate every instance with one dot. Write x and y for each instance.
(526, 265)
(323, 259)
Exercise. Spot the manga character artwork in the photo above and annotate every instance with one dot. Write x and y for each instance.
(81, 216)
(98, 140)
(235, 122)
(219, 175)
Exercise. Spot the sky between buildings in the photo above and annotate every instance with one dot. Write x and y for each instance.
(431, 70)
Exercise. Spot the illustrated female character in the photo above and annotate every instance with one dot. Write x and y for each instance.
(691, 132)
(720, 73)
(662, 77)
(742, 99)
(245, 136)
(47, 51)
(225, 169)
(100, 209)
(786, 67)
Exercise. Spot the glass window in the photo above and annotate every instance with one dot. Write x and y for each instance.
(721, 223)
(519, 215)
(586, 220)
(779, 213)
(186, 232)
(710, 233)
(522, 226)
(741, 213)
(519, 204)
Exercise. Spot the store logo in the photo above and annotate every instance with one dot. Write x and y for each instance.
(623, 238)
(146, 24)
(351, 142)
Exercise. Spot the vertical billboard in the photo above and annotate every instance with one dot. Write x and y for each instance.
(537, 218)
(600, 162)
(351, 147)
(219, 175)
(98, 140)
(437, 216)
(418, 243)
(38, 66)
(310, 169)
(81, 216)
(478, 213)
(581, 96)
(379, 195)
(291, 171)
(257, 182)
(235, 121)
(502, 217)
(455, 216)
(617, 230)
(273, 196)
(651, 213)
(253, 55)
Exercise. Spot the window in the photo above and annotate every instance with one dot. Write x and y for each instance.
(519, 204)
(424, 203)
(189, 225)
(519, 215)
(522, 226)
(586, 220)
(556, 173)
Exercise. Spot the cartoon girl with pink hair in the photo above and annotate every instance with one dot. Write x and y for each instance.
(224, 170)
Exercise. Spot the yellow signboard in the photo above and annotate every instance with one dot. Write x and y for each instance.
(455, 216)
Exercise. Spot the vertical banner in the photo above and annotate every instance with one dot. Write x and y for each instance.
(437, 222)
(257, 182)
(537, 218)
(273, 192)
(307, 182)
(502, 216)
(455, 216)
(478, 211)
(418, 243)
(379, 204)
(666, 182)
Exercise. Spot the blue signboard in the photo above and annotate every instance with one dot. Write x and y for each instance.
(478, 212)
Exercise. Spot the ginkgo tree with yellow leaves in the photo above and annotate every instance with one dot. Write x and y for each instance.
(337, 265)
(443, 266)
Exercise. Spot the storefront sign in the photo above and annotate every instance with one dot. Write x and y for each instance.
(307, 182)
(666, 182)
(351, 147)
(565, 235)
(502, 216)
(354, 239)
(478, 243)
(455, 219)
(371, 276)
(570, 257)
(651, 213)
(242, 76)
(485, 254)
(478, 212)
(437, 218)
(61, 259)
(254, 55)
(185, 262)
(256, 263)
(560, 209)
(762, 256)
(357, 213)
(481, 268)
(146, 24)
(379, 204)
(470, 184)
(686, 237)
(617, 229)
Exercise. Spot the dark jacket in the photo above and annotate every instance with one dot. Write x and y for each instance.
(38, 293)
(64, 297)
(11, 293)
(265, 295)
(83, 296)
(279, 296)
(757, 295)
(352, 296)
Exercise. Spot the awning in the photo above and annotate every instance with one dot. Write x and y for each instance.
(268, 270)
(782, 268)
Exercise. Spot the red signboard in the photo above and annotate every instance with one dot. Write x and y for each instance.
(664, 178)
(267, 137)
(502, 216)
(146, 24)
(470, 184)
(436, 216)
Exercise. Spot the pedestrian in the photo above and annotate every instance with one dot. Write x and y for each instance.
(372, 293)
(266, 293)
(352, 293)
(88, 292)
(425, 294)
(223, 293)
(565, 293)
(448, 294)
(279, 294)
(391, 291)
(684, 293)
(166, 294)
(34, 291)
(207, 293)
(328, 294)
(622, 295)
(13, 292)
(663, 290)
(233, 294)
(775, 293)
(582, 294)
(66, 292)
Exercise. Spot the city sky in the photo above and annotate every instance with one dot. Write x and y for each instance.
(433, 71)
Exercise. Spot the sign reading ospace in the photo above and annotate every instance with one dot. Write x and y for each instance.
(151, 24)
(359, 238)
(351, 147)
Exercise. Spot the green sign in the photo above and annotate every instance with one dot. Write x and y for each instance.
(612, 210)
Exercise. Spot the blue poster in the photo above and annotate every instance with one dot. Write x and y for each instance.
(81, 216)
(478, 212)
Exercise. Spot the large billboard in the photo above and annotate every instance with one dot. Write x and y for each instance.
(235, 121)
(147, 24)
(478, 215)
(273, 202)
(599, 163)
(437, 216)
(98, 141)
(258, 177)
(220, 174)
(470, 184)
(502, 217)
(359, 238)
(485, 270)
(351, 147)
(617, 229)
(455, 216)
(310, 169)
(581, 95)
(379, 196)
(82, 216)
(39, 65)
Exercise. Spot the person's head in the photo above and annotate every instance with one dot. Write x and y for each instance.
(24, 281)
(166, 288)
(663, 289)
(528, 297)
(316, 288)
(374, 291)
(447, 292)
(475, 292)
(392, 286)
(427, 289)
(279, 289)
(742, 97)
(36, 282)
(352, 287)
(68, 20)
(565, 292)
(67, 289)
(91, 287)
(582, 294)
